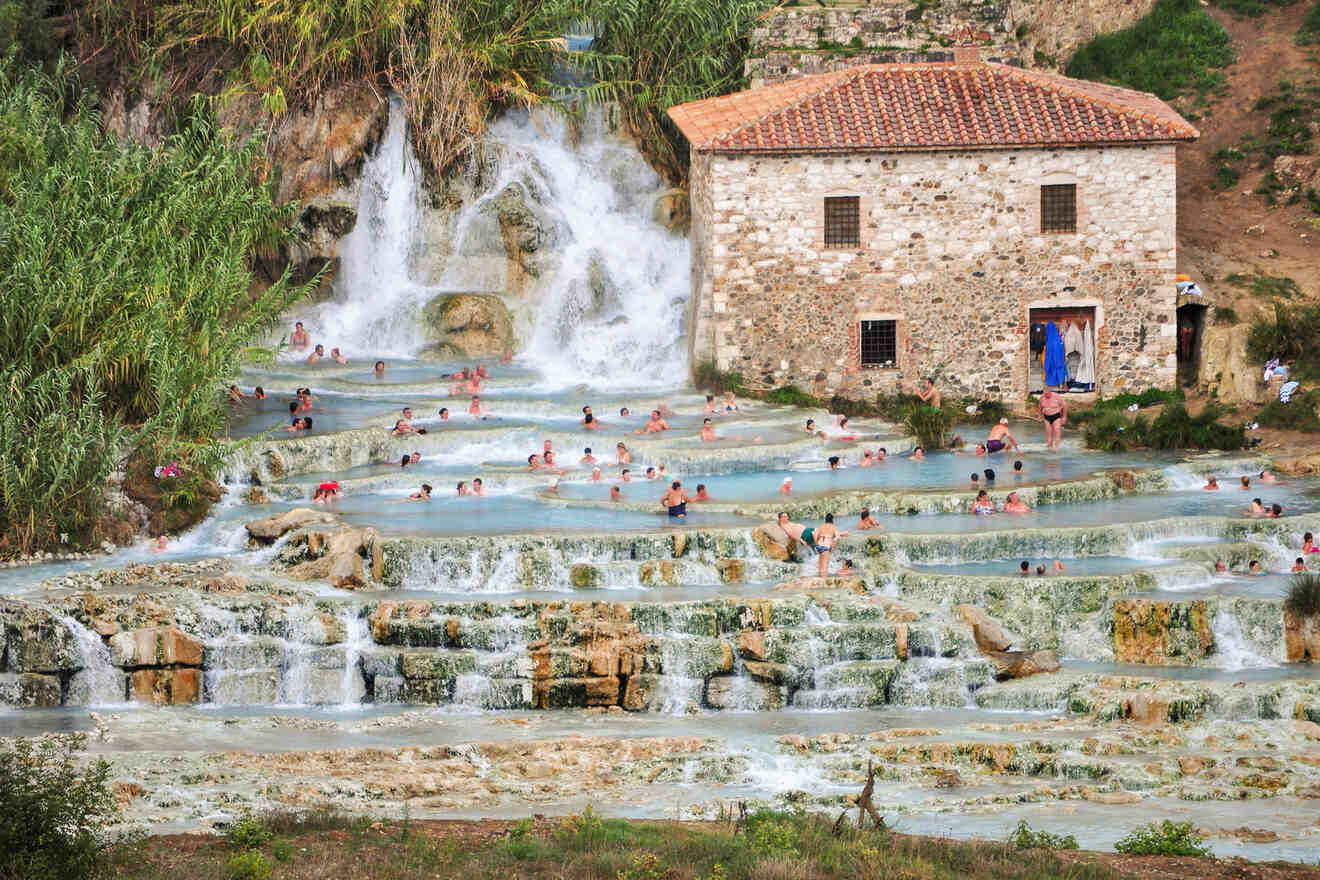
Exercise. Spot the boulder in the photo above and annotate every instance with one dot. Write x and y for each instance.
(337, 557)
(751, 644)
(166, 687)
(1225, 369)
(1020, 664)
(639, 691)
(29, 690)
(272, 528)
(161, 646)
(467, 325)
(987, 632)
(774, 542)
(1302, 465)
(673, 210)
(1301, 637)
(732, 571)
(34, 640)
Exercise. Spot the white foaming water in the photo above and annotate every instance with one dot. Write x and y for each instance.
(98, 683)
(1232, 649)
(374, 278)
(357, 635)
(611, 288)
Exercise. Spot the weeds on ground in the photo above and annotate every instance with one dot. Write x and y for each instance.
(1025, 837)
(1303, 597)
(1309, 33)
(1292, 335)
(1120, 402)
(791, 395)
(1175, 48)
(1252, 8)
(247, 832)
(1165, 838)
(1225, 315)
(709, 377)
(1298, 414)
(1174, 428)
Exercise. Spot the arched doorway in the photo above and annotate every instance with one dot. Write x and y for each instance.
(1191, 324)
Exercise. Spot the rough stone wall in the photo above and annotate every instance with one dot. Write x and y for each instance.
(798, 41)
(951, 249)
(701, 326)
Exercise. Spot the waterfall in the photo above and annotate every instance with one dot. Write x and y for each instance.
(604, 302)
(376, 300)
(98, 682)
(357, 636)
(1232, 649)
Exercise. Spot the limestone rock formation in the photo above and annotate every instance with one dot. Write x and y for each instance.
(1225, 368)
(270, 529)
(1301, 637)
(672, 210)
(1020, 664)
(467, 325)
(33, 640)
(774, 542)
(337, 557)
(1161, 633)
(990, 637)
(162, 646)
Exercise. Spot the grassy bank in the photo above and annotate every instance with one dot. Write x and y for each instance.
(128, 297)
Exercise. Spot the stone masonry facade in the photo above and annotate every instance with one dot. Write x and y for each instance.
(951, 249)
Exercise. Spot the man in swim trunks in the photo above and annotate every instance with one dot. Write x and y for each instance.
(299, 337)
(1054, 410)
(999, 438)
(676, 500)
(821, 540)
(317, 354)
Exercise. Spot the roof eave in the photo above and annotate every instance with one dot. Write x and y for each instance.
(937, 148)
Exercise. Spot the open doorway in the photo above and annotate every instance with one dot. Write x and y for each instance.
(1191, 324)
(1070, 366)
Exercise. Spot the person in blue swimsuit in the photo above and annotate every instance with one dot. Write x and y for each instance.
(676, 500)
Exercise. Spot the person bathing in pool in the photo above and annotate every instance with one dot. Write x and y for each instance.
(1015, 504)
(654, 425)
(1054, 411)
(423, 494)
(299, 337)
(702, 494)
(476, 410)
(478, 487)
(675, 500)
(317, 355)
(1000, 439)
(622, 455)
(821, 540)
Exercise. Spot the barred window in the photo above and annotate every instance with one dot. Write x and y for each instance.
(1058, 208)
(843, 225)
(879, 343)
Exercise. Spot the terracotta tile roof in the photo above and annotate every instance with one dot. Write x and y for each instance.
(928, 106)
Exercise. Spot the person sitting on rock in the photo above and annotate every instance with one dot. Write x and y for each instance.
(866, 522)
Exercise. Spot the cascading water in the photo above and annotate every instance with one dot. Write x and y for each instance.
(98, 682)
(606, 301)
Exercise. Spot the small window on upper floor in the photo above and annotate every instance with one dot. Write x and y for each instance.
(879, 343)
(843, 222)
(1058, 208)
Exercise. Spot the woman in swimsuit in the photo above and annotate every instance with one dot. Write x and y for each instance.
(676, 500)
(982, 505)
(1054, 411)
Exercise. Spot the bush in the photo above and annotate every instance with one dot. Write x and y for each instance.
(247, 832)
(1225, 315)
(1170, 50)
(708, 377)
(55, 815)
(791, 395)
(1174, 428)
(1107, 430)
(1303, 597)
(773, 833)
(1164, 839)
(1226, 176)
(248, 865)
(986, 412)
(1024, 837)
(129, 298)
(1252, 8)
(930, 425)
(1266, 286)
(1292, 335)
(1298, 414)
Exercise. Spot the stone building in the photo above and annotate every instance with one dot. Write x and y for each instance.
(859, 229)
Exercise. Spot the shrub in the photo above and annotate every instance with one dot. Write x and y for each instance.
(1226, 176)
(247, 832)
(281, 850)
(706, 376)
(930, 425)
(248, 865)
(1292, 334)
(55, 815)
(1024, 837)
(1303, 597)
(1225, 315)
(985, 412)
(1171, 50)
(1252, 8)
(1175, 428)
(1309, 33)
(1298, 414)
(791, 395)
(1164, 839)
(773, 833)
(1107, 430)
(1266, 286)
(129, 296)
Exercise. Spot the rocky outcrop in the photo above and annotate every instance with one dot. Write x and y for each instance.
(34, 640)
(337, 557)
(990, 637)
(774, 542)
(1162, 633)
(467, 325)
(1020, 664)
(1301, 635)
(1225, 369)
(272, 528)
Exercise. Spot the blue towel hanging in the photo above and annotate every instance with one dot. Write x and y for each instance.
(1056, 369)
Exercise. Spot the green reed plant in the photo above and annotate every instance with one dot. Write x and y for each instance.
(1303, 597)
(128, 297)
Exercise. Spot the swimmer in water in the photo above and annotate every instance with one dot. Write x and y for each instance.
(918, 454)
(423, 494)
(786, 488)
(625, 476)
(1211, 484)
(675, 500)
(380, 369)
(444, 413)
(299, 337)
(1059, 567)
(867, 460)
(982, 505)
(462, 488)
(654, 425)
(866, 522)
(708, 434)
(476, 410)
(317, 354)
(1015, 504)
(478, 487)
(235, 395)
(259, 393)
(730, 403)
(1257, 508)
(651, 474)
(587, 457)
(622, 454)
(615, 494)
(337, 357)
(702, 494)
(595, 475)
(1246, 483)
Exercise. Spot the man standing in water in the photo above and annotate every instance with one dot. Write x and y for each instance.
(1054, 410)
(821, 540)
(929, 394)
(999, 438)
(676, 500)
